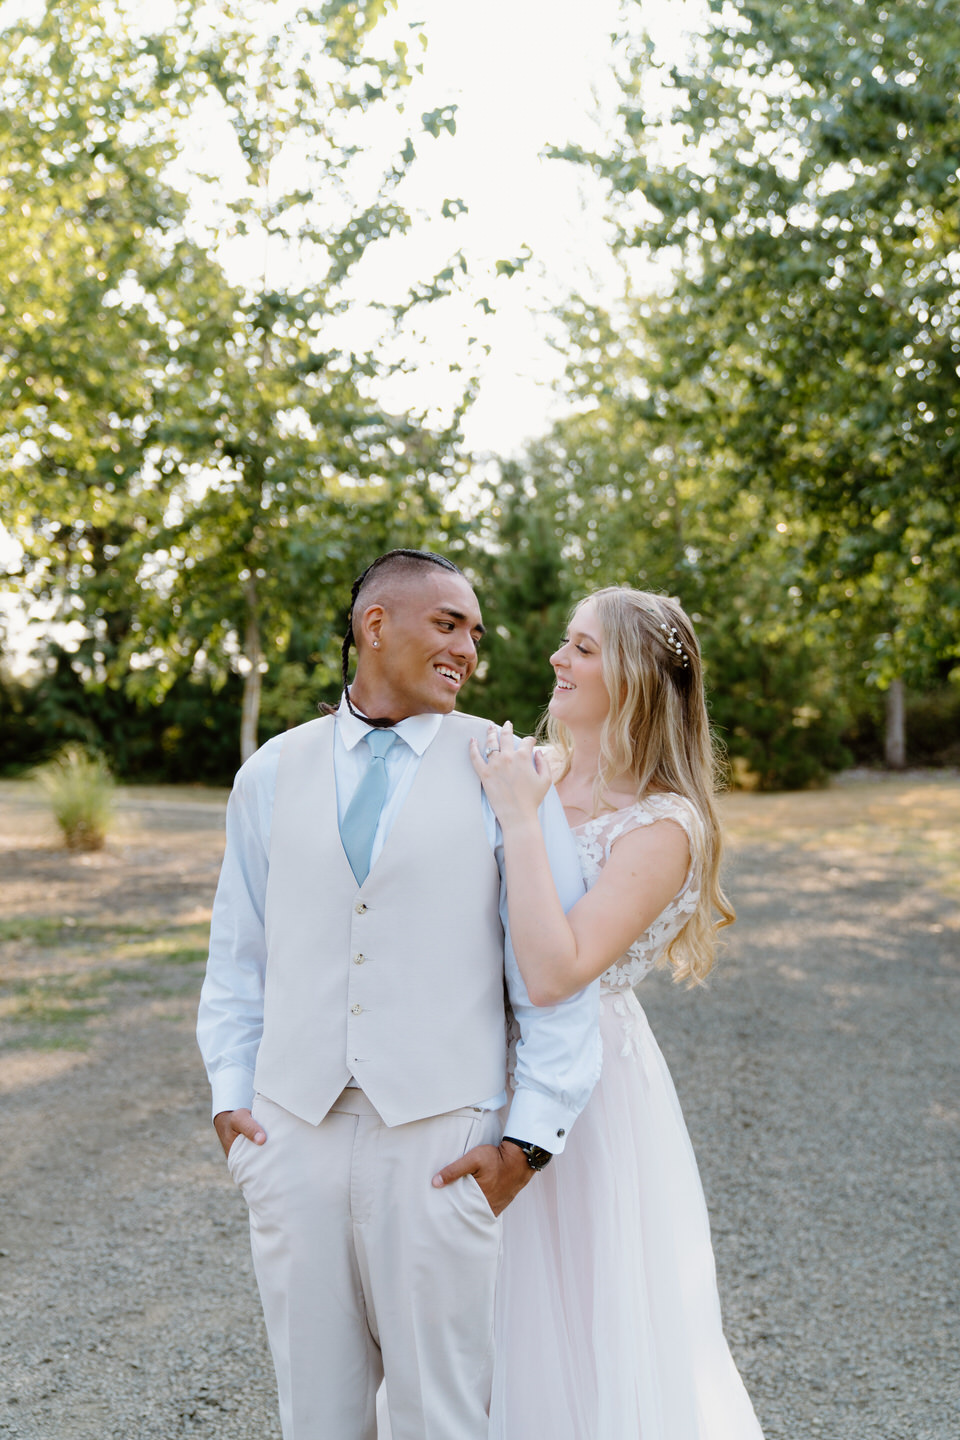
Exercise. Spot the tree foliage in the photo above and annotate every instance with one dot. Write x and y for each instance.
(807, 189)
(99, 283)
(518, 564)
(194, 452)
(196, 463)
(623, 492)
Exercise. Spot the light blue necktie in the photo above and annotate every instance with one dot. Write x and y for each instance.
(363, 813)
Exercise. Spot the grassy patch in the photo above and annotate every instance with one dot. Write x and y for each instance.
(83, 971)
(906, 822)
(47, 1039)
(40, 929)
(56, 1000)
(168, 948)
(50, 930)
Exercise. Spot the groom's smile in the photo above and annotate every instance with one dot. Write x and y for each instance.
(417, 642)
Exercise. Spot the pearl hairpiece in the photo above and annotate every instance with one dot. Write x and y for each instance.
(673, 640)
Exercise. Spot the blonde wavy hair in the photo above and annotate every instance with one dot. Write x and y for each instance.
(657, 732)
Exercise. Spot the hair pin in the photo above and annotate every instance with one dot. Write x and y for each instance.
(673, 640)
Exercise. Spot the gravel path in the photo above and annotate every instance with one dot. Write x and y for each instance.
(818, 1074)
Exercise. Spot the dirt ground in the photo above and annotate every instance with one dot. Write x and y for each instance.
(818, 1073)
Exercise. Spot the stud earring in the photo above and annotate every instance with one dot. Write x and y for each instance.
(376, 644)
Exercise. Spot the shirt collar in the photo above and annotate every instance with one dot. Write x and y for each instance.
(417, 731)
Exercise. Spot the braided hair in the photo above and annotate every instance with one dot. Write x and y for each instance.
(392, 560)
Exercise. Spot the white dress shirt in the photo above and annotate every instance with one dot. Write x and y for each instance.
(558, 1054)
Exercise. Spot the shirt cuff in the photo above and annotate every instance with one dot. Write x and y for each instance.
(539, 1120)
(232, 1089)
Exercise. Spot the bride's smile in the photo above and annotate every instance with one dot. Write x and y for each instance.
(580, 695)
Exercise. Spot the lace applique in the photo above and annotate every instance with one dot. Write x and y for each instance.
(628, 1021)
(596, 838)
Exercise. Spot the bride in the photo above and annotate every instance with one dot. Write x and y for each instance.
(608, 1319)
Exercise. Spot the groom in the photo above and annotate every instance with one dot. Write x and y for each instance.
(352, 1027)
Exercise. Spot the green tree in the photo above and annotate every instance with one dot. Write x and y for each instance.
(311, 474)
(208, 463)
(808, 186)
(99, 281)
(636, 496)
(526, 590)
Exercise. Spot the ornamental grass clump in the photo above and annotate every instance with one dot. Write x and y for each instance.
(79, 788)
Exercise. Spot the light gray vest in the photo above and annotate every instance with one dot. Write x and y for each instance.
(398, 982)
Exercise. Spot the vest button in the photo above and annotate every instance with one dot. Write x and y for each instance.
(356, 1009)
(360, 908)
(359, 959)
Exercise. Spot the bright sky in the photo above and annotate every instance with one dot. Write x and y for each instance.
(525, 74)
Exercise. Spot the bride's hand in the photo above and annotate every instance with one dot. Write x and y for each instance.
(513, 773)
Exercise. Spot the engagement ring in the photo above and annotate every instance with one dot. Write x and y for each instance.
(491, 750)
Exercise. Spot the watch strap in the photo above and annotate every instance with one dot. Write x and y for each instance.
(536, 1156)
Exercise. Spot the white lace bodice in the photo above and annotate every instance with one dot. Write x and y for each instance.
(595, 839)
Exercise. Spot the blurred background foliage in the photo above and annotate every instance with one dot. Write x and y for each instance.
(195, 471)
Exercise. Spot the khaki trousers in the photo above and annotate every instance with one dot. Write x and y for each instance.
(366, 1271)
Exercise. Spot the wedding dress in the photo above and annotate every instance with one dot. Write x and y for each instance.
(608, 1320)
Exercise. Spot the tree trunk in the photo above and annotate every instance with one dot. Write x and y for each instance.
(252, 681)
(895, 740)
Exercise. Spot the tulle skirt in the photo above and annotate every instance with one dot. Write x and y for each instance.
(608, 1320)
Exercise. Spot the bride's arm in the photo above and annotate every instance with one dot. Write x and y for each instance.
(559, 954)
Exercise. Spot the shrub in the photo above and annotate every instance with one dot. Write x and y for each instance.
(80, 790)
(777, 714)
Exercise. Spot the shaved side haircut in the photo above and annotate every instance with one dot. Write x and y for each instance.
(390, 572)
(395, 567)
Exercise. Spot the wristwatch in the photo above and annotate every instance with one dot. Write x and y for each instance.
(536, 1156)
